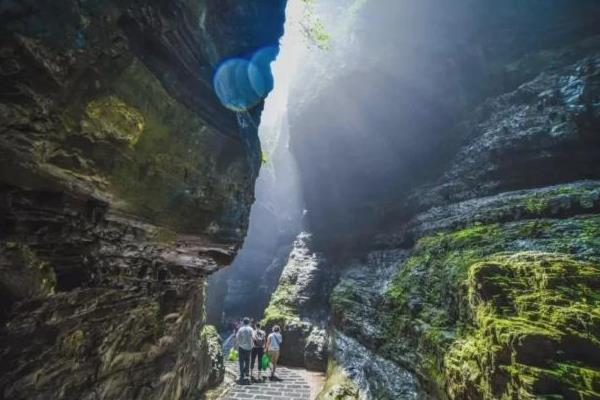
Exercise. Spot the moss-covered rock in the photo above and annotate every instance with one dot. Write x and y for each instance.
(297, 307)
(536, 330)
(110, 118)
(338, 385)
(299, 279)
(123, 182)
(23, 273)
(73, 343)
(279, 312)
(430, 306)
(210, 344)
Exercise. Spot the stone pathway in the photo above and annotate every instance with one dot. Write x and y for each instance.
(291, 386)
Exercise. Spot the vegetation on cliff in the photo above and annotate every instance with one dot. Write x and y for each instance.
(435, 304)
(281, 310)
(338, 385)
(535, 329)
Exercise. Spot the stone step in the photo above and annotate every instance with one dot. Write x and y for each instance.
(290, 386)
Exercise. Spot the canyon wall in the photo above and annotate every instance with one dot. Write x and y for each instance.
(244, 288)
(449, 160)
(123, 183)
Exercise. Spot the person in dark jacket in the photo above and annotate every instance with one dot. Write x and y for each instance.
(259, 341)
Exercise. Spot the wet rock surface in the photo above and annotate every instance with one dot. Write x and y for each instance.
(123, 183)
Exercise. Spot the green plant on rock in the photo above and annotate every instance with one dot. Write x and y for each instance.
(210, 336)
(313, 27)
(264, 158)
(210, 342)
(536, 204)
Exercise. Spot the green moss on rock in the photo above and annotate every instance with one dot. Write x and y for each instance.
(166, 176)
(73, 343)
(547, 202)
(298, 277)
(210, 336)
(430, 307)
(338, 385)
(165, 236)
(111, 118)
(536, 330)
(281, 309)
(210, 343)
(28, 275)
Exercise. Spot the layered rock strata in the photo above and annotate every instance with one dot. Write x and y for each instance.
(123, 183)
(496, 297)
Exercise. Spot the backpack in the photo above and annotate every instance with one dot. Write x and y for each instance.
(259, 338)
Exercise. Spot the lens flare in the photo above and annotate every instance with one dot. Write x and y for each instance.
(240, 84)
(261, 77)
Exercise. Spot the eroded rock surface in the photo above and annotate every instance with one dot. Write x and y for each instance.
(296, 306)
(483, 268)
(123, 182)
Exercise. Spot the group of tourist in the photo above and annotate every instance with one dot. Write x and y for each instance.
(251, 342)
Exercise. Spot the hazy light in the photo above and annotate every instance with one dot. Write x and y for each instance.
(284, 70)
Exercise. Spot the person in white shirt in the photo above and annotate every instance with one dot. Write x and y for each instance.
(273, 347)
(243, 341)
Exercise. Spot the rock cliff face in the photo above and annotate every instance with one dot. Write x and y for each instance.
(456, 199)
(244, 288)
(123, 182)
(297, 307)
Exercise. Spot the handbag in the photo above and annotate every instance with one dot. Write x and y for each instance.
(265, 361)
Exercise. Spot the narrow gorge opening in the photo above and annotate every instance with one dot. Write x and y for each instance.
(244, 288)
